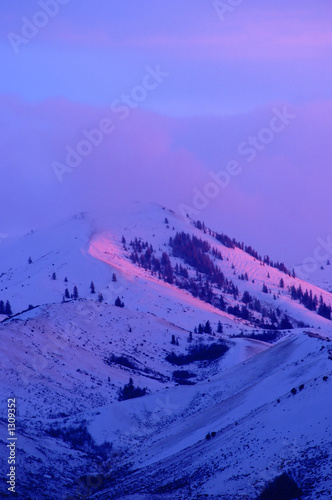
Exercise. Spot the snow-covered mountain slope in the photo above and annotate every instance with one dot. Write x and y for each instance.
(320, 274)
(66, 349)
(262, 429)
(81, 250)
(150, 226)
(70, 251)
(66, 359)
(60, 250)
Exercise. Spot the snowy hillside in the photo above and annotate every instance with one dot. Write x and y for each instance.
(81, 250)
(209, 334)
(320, 275)
(261, 430)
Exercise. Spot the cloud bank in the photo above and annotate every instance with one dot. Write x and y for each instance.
(278, 201)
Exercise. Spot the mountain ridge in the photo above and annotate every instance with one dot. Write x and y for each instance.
(70, 358)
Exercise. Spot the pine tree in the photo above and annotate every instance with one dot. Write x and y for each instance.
(220, 327)
(53, 276)
(324, 310)
(92, 287)
(8, 309)
(281, 283)
(2, 307)
(222, 304)
(100, 297)
(29, 260)
(114, 277)
(207, 327)
(246, 298)
(285, 324)
(67, 296)
(75, 293)
(118, 302)
(173, 341)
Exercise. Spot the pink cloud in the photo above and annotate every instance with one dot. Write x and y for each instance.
(248, 35)
(154, 158)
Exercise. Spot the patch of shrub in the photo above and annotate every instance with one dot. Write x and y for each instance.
(301, 387)
(198, 352)
(285, 324)
(79, 438)
(54, 432)
(130, 392)
(293, 391)
(182, 377)
(281, 488)
(185, 374)
(121, 360)
(210, 435)
(172, 486)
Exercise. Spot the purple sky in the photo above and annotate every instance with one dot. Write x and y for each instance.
(226, 76)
